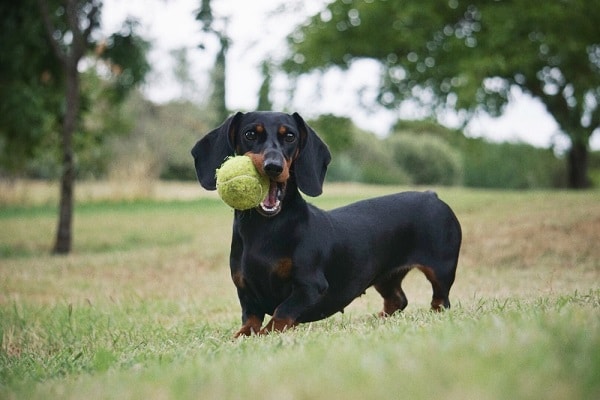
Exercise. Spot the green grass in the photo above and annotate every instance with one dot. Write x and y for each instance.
(144, 308)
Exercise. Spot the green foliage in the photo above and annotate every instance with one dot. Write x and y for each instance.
(182, 72)
(32, 94)
(595, 168)
(125, 52)
(428, 159)
(377, 162)
(102, 119)
(216, 27)
(508, 165)
(451, 48)
(475, 162)
(468, 55)
(359, 156)
(217, 105)
(156, 144)
(343, 168)
(428, 126)
(136, 140)
(264, 101)
(30, 82)
(159, 143)
(337, 132)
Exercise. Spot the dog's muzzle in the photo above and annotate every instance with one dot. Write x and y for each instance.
(273, 167)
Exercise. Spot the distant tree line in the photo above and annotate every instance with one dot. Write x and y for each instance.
(426, 153)
(415, 153)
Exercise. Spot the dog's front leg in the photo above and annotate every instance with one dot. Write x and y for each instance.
(304, 296)
(252, 318)
(251, 326)
(278, 325)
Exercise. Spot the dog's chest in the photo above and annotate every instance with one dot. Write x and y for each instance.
(263, 268)
(269, 278)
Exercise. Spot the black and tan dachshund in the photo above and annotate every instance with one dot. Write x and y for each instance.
(298, 263)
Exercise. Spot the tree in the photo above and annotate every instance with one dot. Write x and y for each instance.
(182, 73)
(30, 82)
(69, 28)
(69, 50)
(469, 56)
(264, 101)
(217, 105)
(65, 33)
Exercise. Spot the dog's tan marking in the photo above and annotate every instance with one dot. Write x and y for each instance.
(278, 325)
(283, 268)
(436, 303)
(390, 306)
(251, 327)
(258, 160)
(238, 279)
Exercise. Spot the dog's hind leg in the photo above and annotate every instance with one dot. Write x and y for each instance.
(390, 288)
(440, 283)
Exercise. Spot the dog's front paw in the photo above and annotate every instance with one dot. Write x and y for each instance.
(250, 327)
(278, 325)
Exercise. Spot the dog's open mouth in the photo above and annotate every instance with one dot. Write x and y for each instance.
(271, 204)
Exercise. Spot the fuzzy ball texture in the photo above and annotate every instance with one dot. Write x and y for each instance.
(240, 185)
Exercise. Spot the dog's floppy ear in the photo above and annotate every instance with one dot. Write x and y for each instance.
(210, 151)
(311, 165)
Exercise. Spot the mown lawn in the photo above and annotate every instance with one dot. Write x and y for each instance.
(144, 307)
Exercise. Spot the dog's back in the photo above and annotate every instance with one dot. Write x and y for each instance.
(373, 239)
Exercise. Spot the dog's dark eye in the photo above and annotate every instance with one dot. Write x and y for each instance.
(250, 135)
(289, 137)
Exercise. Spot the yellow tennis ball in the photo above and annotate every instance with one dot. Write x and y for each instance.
(240, 185)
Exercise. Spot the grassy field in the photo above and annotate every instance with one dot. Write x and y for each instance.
(144, 307)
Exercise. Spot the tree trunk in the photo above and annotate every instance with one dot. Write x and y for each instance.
(67, 182)
(217, 102)
(578, 166)
(76, 14)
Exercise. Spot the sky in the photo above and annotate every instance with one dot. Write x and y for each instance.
(258, 33)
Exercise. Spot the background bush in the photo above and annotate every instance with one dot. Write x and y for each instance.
(594, 164)
(367, 159)
(357, 156)
(153, 141)
(427, 159)
(511, 166)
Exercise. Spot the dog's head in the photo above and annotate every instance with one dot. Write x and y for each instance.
(282, 147)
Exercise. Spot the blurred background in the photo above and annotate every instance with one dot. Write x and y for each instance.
(472, 93)
(403, 93)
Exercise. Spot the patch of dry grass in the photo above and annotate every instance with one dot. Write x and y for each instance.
(30, 192)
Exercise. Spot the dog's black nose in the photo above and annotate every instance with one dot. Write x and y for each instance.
(273, 168)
